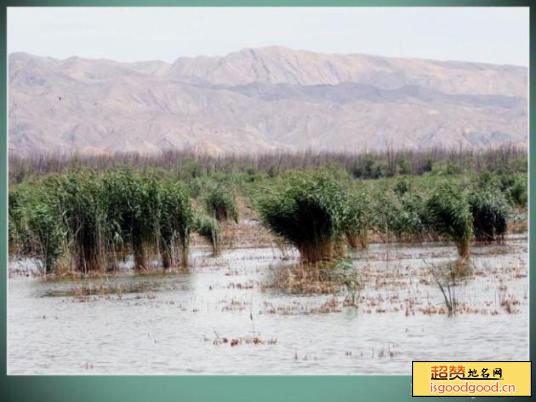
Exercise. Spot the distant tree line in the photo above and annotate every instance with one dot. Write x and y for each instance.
(364, 165)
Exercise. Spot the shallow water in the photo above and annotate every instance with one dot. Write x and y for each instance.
(188, 323)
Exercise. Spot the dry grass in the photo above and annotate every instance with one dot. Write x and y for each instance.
(304, 279)
(247, 340)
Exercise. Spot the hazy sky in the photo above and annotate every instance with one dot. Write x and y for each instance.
(494, 35)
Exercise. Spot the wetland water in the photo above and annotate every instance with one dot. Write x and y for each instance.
(220, 318)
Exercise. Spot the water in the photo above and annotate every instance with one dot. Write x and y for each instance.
(186, 323)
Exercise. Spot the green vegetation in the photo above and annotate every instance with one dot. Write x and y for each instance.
(209, 228)
(356, 221)
(449, 215)
(132, 203)
(35, 228)
(308, 210)
(78, 201)
(409, 223)
(89, 215)
(186, 165)
(490, 209)
(92, 220)
(176, 221)
(399, 214)
(514, 188)
(221, 204)
(490, 215)
(44, 234)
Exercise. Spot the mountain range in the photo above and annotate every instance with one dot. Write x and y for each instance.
(262, 100)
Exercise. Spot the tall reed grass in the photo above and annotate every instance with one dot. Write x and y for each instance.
(92, 220)
(87, 219)
(449, 215)
(308, 210)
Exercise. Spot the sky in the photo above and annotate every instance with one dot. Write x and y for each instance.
(483, 34)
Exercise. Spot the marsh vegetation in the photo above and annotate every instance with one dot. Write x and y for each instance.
(87, 214)
(240, 254)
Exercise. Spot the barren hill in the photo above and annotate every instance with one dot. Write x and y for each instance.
(258, 100)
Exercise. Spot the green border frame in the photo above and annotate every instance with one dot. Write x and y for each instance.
(220, 388)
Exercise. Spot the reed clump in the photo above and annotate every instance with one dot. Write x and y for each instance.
(221, 204)
(449, 215)
(400, 215)
(307, 210)
(36, 226)
(79, 201)
(490, 212)
(515, 189)
(209, 229)
(132, 207)
(356, 219)
(176, 222)
(89, 221)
